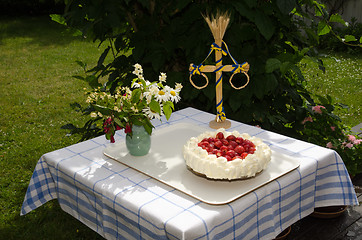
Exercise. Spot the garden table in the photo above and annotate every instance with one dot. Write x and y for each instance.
(119, 202)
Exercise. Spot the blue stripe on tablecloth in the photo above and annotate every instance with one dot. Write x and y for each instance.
(245, 220)
(300, 193)
(291, 215)
(329, 196)
(257, 212)
(280, 204)
(233, 218)
(47, 180)
(247, 231)
(340, 178)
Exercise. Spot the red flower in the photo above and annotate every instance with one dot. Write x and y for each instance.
(128, 128)
(118, 127)
(112, 139)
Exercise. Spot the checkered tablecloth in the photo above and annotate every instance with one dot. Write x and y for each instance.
(120, 203)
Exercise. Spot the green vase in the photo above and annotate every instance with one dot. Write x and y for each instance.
(140, 142)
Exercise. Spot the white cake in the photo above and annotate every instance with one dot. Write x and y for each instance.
(208, 160)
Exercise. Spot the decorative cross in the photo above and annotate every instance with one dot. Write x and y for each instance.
(218, 27)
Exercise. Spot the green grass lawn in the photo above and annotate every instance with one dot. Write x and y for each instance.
(342, 80)
(37, 62)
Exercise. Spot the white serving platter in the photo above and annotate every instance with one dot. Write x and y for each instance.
(166, 164)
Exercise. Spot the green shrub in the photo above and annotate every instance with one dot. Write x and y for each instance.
(169, 35)
(166, 36)
(323, 128)
(329, 42)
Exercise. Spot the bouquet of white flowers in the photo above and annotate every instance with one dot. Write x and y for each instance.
(140, 103)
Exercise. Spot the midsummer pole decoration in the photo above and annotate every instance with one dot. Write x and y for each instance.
(218, 25)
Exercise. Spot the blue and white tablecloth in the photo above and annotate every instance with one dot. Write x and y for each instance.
(120, 203)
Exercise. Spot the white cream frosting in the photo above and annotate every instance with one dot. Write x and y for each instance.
(215, 167)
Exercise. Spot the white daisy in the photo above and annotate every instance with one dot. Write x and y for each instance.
(162, 96)
(174, 96)
(136, 84)
(150, 114)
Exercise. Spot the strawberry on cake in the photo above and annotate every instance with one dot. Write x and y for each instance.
(226, 155)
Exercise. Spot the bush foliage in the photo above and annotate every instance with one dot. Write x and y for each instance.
(168, 35)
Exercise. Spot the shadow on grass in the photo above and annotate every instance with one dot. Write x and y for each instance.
(46, 222)
(38, 30)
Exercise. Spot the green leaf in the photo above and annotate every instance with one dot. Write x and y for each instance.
(136, 94)
(271, 82)
(285, 67)
(337, 18)
(265, 25)
(272, 64)
(105, 111)
(304, 51)
(298, 72)
(286, 6)
(360, 40)
(291, 45)
(349, 38)
(155, 106)
(119, 122)
(323, 28)
(168, 107)
(58, 18)
(244, 10)
(148, 126)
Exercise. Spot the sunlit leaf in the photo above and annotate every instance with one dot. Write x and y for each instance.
(167, 109)
(155, 106)
(323, 28)
(337, 18)
(349, 38)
